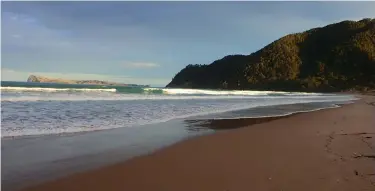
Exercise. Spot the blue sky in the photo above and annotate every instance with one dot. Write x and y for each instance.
(148, 42)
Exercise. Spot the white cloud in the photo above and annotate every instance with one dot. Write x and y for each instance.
(97, 38)
(143, 65)
(14, 75)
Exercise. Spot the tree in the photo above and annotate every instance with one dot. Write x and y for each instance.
(338, 56)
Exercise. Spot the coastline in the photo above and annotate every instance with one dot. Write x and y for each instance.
(330, 149)
(54, 156)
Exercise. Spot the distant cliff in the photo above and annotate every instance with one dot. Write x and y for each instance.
(336, 57)
(42, 79)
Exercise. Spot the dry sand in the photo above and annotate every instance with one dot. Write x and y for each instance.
(331, 149)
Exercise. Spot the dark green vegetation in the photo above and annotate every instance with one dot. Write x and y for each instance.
(337, 57)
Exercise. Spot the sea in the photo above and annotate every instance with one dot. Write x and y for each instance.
(46, 108)
(49, 130)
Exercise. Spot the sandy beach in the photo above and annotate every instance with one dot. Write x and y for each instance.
(332, 149)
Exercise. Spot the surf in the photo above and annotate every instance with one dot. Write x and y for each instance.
(71, 88)
(39, 89)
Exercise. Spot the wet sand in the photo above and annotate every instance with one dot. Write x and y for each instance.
(331, 149)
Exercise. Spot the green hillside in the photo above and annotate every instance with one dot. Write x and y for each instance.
(336, 57)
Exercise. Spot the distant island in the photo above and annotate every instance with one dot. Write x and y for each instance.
(337, 57)
(42, 79)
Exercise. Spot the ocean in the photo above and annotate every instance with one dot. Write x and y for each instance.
(44, 108)
(52, 130)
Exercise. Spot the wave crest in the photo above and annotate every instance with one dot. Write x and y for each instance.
(39, 89)
(231, 92)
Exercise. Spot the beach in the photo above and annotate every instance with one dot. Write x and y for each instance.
(187, 96)
(51, 131)
(331, 149)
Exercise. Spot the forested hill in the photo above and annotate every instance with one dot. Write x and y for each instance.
(336, 57)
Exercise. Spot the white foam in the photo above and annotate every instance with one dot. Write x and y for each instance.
(280, 115)
(61, 118)
(37, 111)
(232, 92)
(110, 98)
(35, 89)
(70, 130)
(118, 97)
(167, 91)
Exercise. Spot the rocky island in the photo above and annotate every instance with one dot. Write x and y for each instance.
(337, 57)
(43, 79)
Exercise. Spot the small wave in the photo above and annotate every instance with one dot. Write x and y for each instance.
(154, 91)
(130, 97)
(232, 92)
(115, 116)
(38, 89)
(41, 132)
(332, 106)
(117, 97)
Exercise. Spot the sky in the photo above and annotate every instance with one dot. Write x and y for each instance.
(148, 42)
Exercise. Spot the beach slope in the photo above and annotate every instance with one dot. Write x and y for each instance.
(331, 149)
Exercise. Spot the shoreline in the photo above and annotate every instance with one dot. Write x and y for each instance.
(218, 162)
(257, 118)
(59, 164)
(53, 171)
(234, 123)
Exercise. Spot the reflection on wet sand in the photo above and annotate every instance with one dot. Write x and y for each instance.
(222, 124)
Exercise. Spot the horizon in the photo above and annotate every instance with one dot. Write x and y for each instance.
(25, 81)
(148, 42)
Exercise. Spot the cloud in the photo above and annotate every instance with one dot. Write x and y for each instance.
(141, 65)
(15, 75)
(97, 37)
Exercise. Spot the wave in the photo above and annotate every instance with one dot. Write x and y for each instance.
(40, 89)
(171, 116)
(278, 115)
(232, 92)
(133, 97)
(68, 97)
(156, 91)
